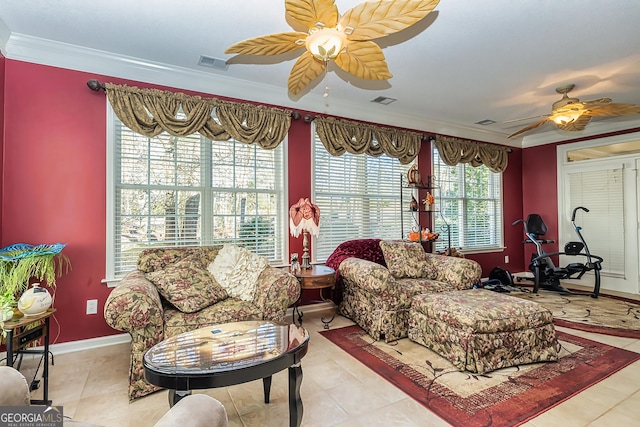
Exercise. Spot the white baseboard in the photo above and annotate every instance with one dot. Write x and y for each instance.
(80, 345)
(89, 344)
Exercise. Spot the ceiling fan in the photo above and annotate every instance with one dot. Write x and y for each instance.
(569, 114)
(345, 39)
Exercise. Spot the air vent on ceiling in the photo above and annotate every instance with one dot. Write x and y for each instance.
(486, 122)
(383, 100)
(208, 61)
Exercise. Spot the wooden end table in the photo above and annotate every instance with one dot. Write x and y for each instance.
(317, 277)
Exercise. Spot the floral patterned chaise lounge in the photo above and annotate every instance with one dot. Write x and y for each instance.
(378, 298)
(175, 290)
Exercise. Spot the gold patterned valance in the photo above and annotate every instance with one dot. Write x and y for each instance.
(453, 151)
(340, 136)
(150, 112)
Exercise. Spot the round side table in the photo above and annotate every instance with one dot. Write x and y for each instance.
(317, 277)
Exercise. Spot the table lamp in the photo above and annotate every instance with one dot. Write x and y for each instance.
(304, 217)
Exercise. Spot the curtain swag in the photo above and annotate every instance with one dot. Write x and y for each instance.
(453, 151)
(150, 112)
(340, 136)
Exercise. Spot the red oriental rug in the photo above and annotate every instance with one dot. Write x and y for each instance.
(506, 397)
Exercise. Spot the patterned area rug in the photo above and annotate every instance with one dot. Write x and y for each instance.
(508, 396)
(606, 314)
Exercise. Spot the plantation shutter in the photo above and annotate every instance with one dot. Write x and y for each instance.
(601, 192)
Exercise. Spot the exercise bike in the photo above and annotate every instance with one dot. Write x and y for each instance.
(545, 274)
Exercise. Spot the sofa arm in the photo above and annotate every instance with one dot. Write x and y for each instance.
(15, 388)
(276, 290)
(367, 275)
(461, 273)
(134, 306)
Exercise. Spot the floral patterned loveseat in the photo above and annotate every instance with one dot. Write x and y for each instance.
(378, 298)
(140, 303)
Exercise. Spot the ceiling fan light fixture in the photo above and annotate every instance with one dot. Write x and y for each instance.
(566, 118)
(325, 44)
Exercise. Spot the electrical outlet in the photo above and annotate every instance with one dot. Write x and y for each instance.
(506, 259)
(92, 306)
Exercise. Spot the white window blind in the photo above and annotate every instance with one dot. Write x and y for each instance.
(190, 191)
(469, 201)
(358, 197)
(602, 192)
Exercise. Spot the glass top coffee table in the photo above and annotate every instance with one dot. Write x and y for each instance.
(231, 353)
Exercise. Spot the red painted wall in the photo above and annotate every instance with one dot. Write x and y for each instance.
(54, 182)
(540, 190)
(299, 171)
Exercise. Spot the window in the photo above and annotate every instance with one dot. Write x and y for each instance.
(190, 191)
(470, 204)
(358, 197)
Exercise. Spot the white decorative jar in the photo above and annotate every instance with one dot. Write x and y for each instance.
(34, 301)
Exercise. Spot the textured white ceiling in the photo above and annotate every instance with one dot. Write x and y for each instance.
(469, 60)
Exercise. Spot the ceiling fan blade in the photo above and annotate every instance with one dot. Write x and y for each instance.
(371, 20)
(273, 44)
(364, 60)
(597, 102)
(577, 125)
(615, 109)
(529, 127)
(526, 118)
(304, 71)
(310, 12)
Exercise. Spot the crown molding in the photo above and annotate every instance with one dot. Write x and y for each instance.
(5, 34)
(63, 55)
(47, 52)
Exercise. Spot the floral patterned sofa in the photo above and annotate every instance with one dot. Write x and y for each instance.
(173, 290)
(378, 298)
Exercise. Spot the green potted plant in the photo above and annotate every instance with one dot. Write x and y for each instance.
(20, 263)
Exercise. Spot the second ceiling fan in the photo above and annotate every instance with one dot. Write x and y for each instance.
(569, 114)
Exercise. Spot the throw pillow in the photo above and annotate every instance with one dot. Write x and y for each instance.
(237, 270)
(187, 285)
(405, 259)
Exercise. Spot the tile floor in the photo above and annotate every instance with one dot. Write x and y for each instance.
(336, 390)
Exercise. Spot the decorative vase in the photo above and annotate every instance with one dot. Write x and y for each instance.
(413, 205)
(34, 301)
(413, 176)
